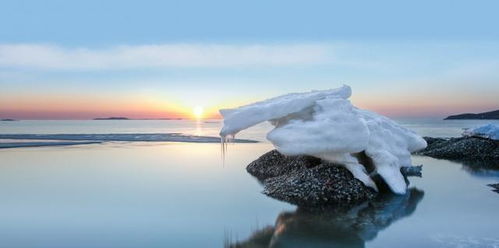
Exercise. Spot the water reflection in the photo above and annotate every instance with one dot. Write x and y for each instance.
(478, 168)
(199, 128)
(334, 227)
(495, 187)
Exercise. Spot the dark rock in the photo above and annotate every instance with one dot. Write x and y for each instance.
(413, 171)
(463, 148)
(324, 184)
(309, 181)
(273, 164)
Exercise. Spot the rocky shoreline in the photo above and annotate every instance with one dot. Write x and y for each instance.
(462, 148)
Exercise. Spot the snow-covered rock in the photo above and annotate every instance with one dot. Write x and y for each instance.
(326, 125)
(489, 131)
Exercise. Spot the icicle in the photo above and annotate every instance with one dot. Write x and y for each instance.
(224, 141)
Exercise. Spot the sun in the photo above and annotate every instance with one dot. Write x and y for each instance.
(198, 112)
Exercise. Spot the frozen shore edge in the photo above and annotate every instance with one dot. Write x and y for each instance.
(43, 144)
(83, 139)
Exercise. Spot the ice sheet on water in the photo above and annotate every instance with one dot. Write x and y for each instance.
(164, 137)
(40, 144)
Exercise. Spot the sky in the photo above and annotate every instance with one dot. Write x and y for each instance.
(161, 59)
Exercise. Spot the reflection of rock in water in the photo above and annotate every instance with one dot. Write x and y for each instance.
(495, 187)
(481, 168)
(335, 227)
(488, 168)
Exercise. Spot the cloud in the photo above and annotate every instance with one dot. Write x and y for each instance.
(40, 56)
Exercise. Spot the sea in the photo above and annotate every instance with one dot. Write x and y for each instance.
(155, 192)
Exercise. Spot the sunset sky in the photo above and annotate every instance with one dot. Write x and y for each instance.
(157, 59)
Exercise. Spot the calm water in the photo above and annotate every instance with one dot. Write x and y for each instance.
(141, 194)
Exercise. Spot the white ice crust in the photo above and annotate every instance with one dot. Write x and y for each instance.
(489, 131)
(325, 124)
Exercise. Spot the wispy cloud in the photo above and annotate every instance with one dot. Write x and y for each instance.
(40, 56)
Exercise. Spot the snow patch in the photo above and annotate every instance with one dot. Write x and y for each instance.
(325, 124)
(489, 131)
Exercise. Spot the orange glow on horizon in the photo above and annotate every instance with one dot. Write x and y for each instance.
(79, 106)
(83, 107)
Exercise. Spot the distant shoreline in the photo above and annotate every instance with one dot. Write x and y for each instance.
(129, 119)
(491, 115)
(110, 118)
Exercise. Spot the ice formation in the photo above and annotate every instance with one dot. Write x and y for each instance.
(146, 137)
(325, 124)
(489, 131)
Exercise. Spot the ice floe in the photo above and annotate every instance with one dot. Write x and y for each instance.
(40, 144)
(99, 138)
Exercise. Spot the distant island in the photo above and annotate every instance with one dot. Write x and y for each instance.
(7, 119)
(491, 115)
(126, 118)
(162, 119)
(111, 118)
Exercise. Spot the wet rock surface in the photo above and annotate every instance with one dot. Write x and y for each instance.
(309, 181)
(322, 185)
(274, 164)
(463, 148)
